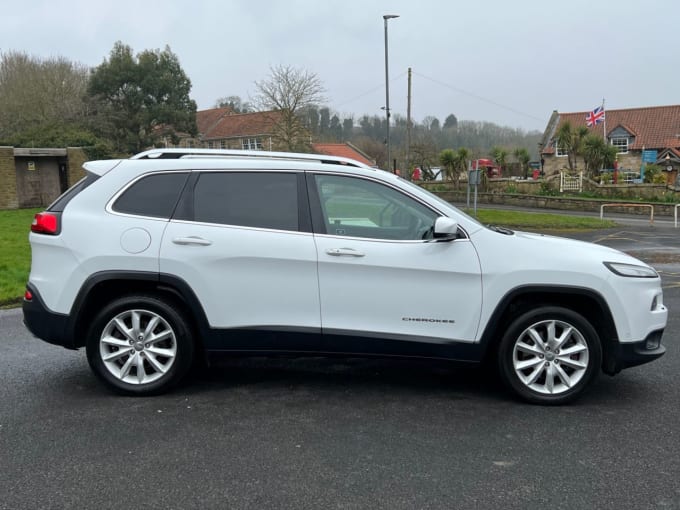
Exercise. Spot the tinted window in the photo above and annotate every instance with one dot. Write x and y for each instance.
(357, 207)
(60, 203)
(154, 195)
(264, 200)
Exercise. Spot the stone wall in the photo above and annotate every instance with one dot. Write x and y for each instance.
(559, 203)
(8, 179)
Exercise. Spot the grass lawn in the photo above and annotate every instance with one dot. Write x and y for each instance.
(15, 254)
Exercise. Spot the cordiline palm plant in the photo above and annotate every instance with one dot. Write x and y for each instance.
(454, 163)
(462, 158)
(447, 159)
(597, 154)
(500, 157)
(569, 140)
(522, 156)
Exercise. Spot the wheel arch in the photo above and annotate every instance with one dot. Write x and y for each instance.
(102, 287)
(584, 301)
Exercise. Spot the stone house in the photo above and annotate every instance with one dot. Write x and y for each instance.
(222, 128)
(632, 130)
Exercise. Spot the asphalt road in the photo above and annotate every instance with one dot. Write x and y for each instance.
(340, 434)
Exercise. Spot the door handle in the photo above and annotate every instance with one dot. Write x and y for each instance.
(192, 240)
(339, 252)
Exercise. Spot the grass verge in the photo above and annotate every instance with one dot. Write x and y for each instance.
(15, 254)
(540, 221)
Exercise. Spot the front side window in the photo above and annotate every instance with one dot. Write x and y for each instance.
(261, 200)
(356, 207)
(154, 195)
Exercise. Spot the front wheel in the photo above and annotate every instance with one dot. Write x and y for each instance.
(140, 345)
(549, 355)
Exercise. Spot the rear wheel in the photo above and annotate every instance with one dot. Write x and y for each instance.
(549, 355)
(140, 345)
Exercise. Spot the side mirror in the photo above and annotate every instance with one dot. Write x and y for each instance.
(445, 229)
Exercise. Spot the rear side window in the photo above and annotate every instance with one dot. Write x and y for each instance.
(60, 203)
(262, 200)
(154, 195)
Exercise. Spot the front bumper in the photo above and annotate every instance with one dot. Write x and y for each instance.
(626, 355)
(45, 324)
(638, 353)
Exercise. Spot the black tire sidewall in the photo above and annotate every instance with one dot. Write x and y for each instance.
(507, 344)
(170, 313)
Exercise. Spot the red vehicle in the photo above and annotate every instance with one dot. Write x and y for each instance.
(492, 170)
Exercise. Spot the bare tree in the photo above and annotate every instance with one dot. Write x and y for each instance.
(237, 104)
(40, 92)
(290, 91)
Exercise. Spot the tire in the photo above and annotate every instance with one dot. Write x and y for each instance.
(549, 356)
(140, 345)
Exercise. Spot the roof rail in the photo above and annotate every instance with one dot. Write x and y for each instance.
(243, 154)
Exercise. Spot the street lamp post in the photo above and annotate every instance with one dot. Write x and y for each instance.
(387, 90)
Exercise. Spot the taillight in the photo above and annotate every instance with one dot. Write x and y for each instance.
(45, 223)
(28, 295)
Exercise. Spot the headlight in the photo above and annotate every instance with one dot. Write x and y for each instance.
(631, 270)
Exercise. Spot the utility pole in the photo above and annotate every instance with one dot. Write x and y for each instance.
(408, 129)
(387, 91)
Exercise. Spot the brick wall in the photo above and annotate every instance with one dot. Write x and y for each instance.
(8, 179)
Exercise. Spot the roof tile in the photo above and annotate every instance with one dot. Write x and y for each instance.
(236, 125)
(343, 150)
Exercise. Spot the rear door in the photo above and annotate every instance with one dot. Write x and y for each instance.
(243, 244)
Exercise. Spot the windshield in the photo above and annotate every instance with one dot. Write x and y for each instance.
(439, 200)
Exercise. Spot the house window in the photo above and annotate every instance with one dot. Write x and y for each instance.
(560, 152)
(210, 145)
(223, 144)
(621, 144)
(252, 144)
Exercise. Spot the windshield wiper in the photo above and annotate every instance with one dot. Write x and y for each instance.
(501, 230)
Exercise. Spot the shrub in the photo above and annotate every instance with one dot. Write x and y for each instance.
(547, 189)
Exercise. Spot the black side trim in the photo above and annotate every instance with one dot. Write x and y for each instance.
(312, 342)
(361, 343)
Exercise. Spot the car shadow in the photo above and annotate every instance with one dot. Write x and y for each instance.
(358, 375)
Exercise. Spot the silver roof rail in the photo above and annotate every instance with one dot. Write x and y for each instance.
(242, 154)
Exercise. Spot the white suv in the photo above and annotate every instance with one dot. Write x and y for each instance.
(153, 262)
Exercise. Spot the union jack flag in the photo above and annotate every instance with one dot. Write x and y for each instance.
(595, 117)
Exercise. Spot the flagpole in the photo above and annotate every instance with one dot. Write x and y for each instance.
(605, 122)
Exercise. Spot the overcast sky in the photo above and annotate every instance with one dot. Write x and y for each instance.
(508, 62)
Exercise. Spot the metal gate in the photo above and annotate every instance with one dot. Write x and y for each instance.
(571, 182)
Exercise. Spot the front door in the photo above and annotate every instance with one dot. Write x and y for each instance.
(381, 276)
